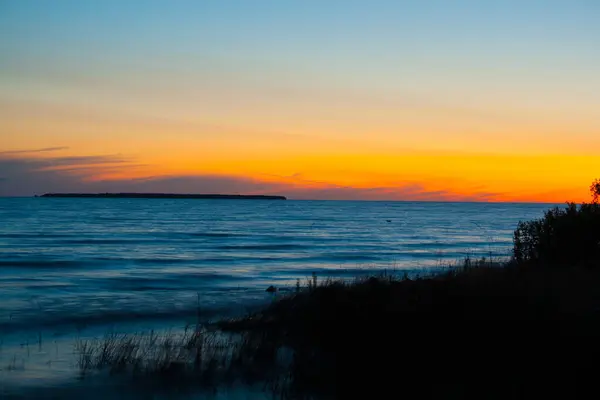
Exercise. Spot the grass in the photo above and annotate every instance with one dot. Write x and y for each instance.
(524, 329)
(198, 358)
(473, 332)
(479, 331)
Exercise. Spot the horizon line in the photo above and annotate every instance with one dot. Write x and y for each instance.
(315, 199)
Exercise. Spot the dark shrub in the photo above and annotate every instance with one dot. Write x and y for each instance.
(595, 189)
(569, 236)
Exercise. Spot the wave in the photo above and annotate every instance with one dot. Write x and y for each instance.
(36, 235)
(155, 237)
(178, 281)
(342, 257)
(109, 241)
(263, 247)
(41, 263)
(230, 259)
(287, 273)
(157, 261)
(212, 234)
(440, 245)
(204, 312)
(386, 256)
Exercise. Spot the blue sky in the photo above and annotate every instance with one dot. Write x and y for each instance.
(235, 80)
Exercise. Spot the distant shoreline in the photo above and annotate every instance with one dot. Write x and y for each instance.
(164, 196)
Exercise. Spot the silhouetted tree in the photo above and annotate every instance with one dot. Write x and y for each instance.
(565, 237)
(595, 189)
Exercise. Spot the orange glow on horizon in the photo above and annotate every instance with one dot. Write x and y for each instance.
(294, 99)
(457, 176)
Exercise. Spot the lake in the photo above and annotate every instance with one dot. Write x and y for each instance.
(83, 266)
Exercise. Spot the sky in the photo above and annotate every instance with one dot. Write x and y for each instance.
(313, 99)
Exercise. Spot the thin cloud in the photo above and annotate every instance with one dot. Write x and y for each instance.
(26, 176)
(93, 172)
(43, 150)
(83, 160)
(64, 163)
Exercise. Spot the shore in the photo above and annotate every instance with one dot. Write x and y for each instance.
(524, 328)
(482, 330)
(475, 332)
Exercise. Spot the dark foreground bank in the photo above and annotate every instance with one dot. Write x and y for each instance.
(478, 332)
(475, 332)
(527, 329)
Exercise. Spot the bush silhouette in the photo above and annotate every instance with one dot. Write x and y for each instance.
(595, 190)
(564, 236)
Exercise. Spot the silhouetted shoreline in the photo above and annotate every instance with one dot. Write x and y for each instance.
(527, 328)
(165, 196)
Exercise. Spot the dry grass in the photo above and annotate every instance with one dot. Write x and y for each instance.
(196, 358)
(477, 331)
(484, 330)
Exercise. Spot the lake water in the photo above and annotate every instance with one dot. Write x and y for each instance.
(82, 266)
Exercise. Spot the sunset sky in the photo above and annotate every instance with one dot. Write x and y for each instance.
(314, 99)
